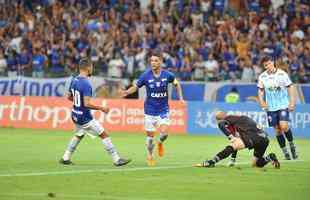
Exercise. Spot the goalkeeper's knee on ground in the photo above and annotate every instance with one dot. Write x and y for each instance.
(261, 162)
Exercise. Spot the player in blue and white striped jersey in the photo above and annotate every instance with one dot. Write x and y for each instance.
(276, 96)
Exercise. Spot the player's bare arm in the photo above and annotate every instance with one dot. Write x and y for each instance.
(291, 93)
(129, 91)
(178, 87)
(69, 96)
(261, 100)
(88, 103)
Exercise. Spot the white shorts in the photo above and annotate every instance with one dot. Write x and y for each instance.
(93, 127)
(152, 122)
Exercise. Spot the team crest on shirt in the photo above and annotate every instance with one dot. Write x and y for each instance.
(157, 84)
(151, 85)
(264, 76)
(274, 87)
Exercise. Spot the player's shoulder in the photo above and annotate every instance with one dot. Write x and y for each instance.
(147, 73)
(166, 73)
(74, 80)
(263, 75)
(232, 118)
(82, 80)
(281, 72)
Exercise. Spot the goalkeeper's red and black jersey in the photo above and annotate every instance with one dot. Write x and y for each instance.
(245, 126)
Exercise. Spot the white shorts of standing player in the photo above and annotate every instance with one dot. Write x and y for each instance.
(93, 128)
(151, 123)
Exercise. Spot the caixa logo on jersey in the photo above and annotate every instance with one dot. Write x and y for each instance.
(158, 94)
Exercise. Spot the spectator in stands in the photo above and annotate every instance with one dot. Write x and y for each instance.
(229, 56)
(24, 61)
(248, 74)
(186, 30)
(12, 63)
(211, 68)
(3, 64)
(224, 71)
(306, 62)
(199, 69)
(57, 62)
(116, 67)
(295, 67)
(39, 62)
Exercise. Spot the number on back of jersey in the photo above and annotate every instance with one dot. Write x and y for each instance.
(76, 97)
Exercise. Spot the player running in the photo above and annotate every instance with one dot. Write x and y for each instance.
(279, 99)
(248, 135)
(80, 93)
(156, 108)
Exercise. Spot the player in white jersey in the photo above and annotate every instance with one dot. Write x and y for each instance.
(276, 96)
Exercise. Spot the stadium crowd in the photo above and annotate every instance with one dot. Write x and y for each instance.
(204, 40)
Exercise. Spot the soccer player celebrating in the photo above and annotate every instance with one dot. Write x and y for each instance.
(279, 99)
(156, 108)
(80, 93)
(248, 135)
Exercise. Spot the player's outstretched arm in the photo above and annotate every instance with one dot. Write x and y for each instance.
(89, 104)
(262, 103)
(178, 87)
(291, 93)
(69, 96)
(129, 91)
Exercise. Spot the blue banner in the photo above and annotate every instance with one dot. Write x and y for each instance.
(23, 86)
(245, 91)
(26, 86)
(202, 117)
(191, 92)
(305, 89)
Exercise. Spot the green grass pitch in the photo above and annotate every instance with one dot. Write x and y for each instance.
(29, 170)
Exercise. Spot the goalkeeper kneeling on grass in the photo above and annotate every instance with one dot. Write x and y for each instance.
(243, 132)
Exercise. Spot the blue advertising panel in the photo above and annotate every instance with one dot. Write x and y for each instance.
(191, 92)
(306, 92)
(202, 117)
(245, 91)
(24, 86)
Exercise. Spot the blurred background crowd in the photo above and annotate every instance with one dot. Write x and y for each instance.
(201, 40)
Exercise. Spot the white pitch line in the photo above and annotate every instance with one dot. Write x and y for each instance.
(92, 171)
(74, 196)
(119, 169)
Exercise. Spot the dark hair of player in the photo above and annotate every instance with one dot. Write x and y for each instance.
(156, 53)
(85, 63)
(266, 59)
